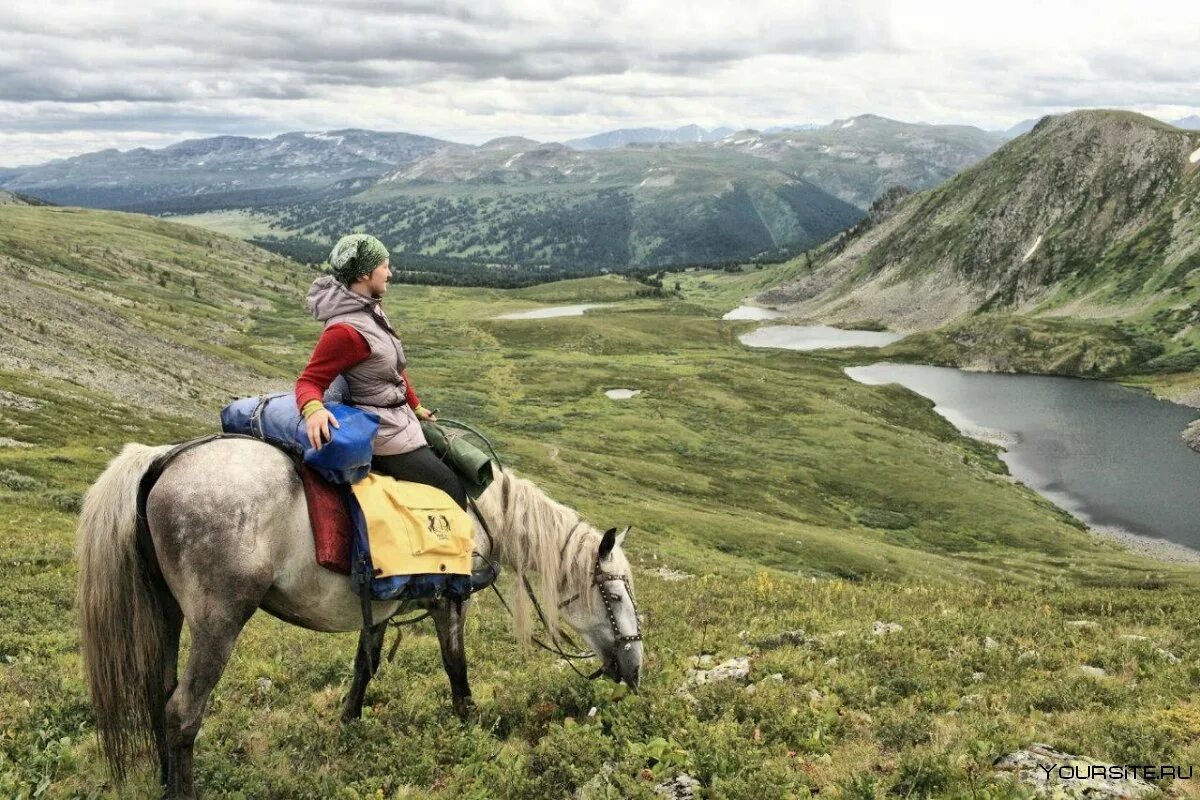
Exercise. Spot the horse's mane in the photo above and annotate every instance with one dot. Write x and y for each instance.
(535, 534)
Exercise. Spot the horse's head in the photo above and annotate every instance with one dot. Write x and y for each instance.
(607, 619)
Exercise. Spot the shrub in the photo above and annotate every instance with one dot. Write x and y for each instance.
(70, 502)
(921, 775)
(11, 479)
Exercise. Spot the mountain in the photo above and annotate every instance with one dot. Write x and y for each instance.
(1092, 213)
(857, 159)
(10, 199)
(223, 171)
(515, 201)
(1191, 123)
(625, 136)
(802, 126)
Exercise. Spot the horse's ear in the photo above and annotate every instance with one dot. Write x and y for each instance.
(621, 536)
(608, 542)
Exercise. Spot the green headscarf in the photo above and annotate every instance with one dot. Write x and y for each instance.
(356, 255)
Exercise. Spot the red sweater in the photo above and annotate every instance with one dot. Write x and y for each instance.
(339, 348)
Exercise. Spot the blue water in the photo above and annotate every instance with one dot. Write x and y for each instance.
(1111, 455)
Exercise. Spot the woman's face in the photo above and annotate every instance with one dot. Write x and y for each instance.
(376, 281)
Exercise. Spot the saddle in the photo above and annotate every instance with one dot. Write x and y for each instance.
(351, 510)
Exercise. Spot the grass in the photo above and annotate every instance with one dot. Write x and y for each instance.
(797, 498)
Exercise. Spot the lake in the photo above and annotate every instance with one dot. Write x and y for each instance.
(753, 312)
(1110, 455)
(815, 337)
(551, 311)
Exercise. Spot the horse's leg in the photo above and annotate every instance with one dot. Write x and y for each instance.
(173, 625)
(212, 643)
(450, 618)
(366, 664)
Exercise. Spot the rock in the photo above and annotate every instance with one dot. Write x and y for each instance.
(1095, 672)
(1028, 656)
(978, 676)
(1083, 623)
(831, 662)
(989, 643)
(1191, 435)
(263, 686)
(733, 669)
(668, 574)
(705, 660)
(1168, 656)
(885, 628)
(971, 699)
(1134, 637)
(681, 787)
(793, 637)
(1054, 774)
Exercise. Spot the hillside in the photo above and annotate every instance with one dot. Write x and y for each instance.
(1091, 214)
(908, 612)
(531, 204)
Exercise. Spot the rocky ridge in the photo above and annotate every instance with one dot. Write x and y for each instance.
(1090, 213)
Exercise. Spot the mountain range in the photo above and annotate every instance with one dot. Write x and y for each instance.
(516, 202)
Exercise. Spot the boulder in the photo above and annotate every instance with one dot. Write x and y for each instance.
(1052, 773)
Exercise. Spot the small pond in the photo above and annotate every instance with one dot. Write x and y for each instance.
(551, 311)
(753, 312)
(815, 337)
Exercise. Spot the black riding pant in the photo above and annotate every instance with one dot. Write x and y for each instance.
(423, 466)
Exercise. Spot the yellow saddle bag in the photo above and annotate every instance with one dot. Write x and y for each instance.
(414, 528)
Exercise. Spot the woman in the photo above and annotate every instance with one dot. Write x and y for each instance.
(360, 343)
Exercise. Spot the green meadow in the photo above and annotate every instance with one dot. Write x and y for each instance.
(793, 498)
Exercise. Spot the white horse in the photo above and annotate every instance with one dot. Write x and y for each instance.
(226, 532)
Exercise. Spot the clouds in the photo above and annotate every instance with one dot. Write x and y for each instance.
(469, 71)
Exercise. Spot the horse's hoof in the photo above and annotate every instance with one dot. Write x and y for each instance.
(463, 706)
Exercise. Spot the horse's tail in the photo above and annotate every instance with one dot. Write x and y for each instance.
(119, 612)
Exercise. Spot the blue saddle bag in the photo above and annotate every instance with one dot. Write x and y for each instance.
(345, 459)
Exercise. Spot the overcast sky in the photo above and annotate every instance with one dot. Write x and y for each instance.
(86, 75)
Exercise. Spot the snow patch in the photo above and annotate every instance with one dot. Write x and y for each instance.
(509, 163)
(1194, 157)
(324, 137)
(1032, 250)
(847, 123)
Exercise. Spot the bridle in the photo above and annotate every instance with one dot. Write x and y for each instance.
(600, 579)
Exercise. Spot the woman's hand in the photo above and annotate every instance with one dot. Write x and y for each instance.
(317, 426)
(425, 413)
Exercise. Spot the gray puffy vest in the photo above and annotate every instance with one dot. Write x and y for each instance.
(375, 383)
